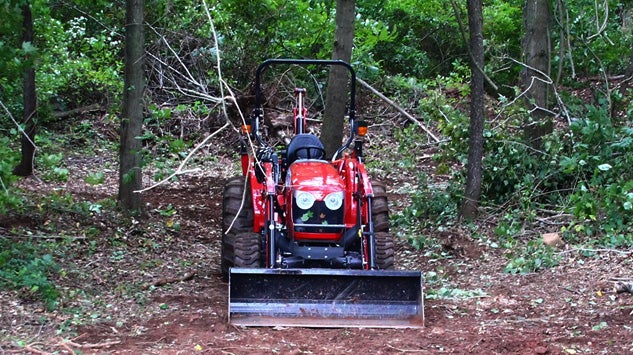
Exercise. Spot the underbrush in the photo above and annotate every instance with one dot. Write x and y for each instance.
(42, 238)
(44, 229)
(578, 184)
(28, 268)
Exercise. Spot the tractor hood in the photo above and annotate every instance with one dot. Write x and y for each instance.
(317, 177)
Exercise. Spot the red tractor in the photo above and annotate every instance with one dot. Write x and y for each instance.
(307, 239)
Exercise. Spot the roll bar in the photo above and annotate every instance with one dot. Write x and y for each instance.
(258, 111)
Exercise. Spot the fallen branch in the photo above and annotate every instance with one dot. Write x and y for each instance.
(73, 112)
(622, 279)
(604, 250)
(161, 282)
(10, 234)
(179, 170)
(622, 284)
(91, 346)
(400, 109)
(622, 287)
(407, 350)
(33, 350)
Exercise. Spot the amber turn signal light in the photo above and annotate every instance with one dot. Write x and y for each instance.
(361, 128)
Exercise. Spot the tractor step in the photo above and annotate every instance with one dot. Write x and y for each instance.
(328, 298)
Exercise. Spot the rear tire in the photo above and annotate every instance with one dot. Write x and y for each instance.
(383, 240)
(240, 245)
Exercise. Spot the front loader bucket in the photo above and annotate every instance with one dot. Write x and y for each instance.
(326, 298)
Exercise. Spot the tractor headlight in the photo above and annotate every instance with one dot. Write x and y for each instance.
(334, 201)
(304, 200)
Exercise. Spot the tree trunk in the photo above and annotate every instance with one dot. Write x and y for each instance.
(338, 80)
(536, 46)
(27, 138)
(476, 129)
(629, 69)
(130, 174)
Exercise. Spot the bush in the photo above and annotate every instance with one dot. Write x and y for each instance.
(601, 162)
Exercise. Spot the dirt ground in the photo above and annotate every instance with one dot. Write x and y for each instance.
(154, 287)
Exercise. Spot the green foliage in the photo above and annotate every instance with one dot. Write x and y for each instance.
(602, 165)
(454, 293)
(596, 52)
(82, 65)
(586, 171)
(52, 168)
(430, 206)
(502, 29)
(507, 232)
(24, 267)
(426, 37)
(367, 36)
(77, 60)
(252, 31)
(433, 206)
(165, 139)
(12, 58)
(533, 257)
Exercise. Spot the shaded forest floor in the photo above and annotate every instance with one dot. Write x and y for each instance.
(154, 286)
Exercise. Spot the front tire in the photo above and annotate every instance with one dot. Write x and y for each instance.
(383, 240)
(240, 244)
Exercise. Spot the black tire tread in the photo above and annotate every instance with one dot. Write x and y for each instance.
(383, 240)
(240, 245)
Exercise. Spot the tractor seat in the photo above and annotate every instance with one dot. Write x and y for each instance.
(305, 146)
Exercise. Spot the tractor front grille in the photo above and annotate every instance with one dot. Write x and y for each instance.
(317, 219)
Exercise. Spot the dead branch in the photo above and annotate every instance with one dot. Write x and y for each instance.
(91, 346)
(10, 234)
(603, 250)
(406, 350)
(622, 284)
(65, 345)
(19, 127)
(78, 110)
(545, 79)
(170, 280)
(400, 109)
(33, 350)
(621, 279)
(622, 287)
(179, 170)
(221, 100)
(600, 27)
